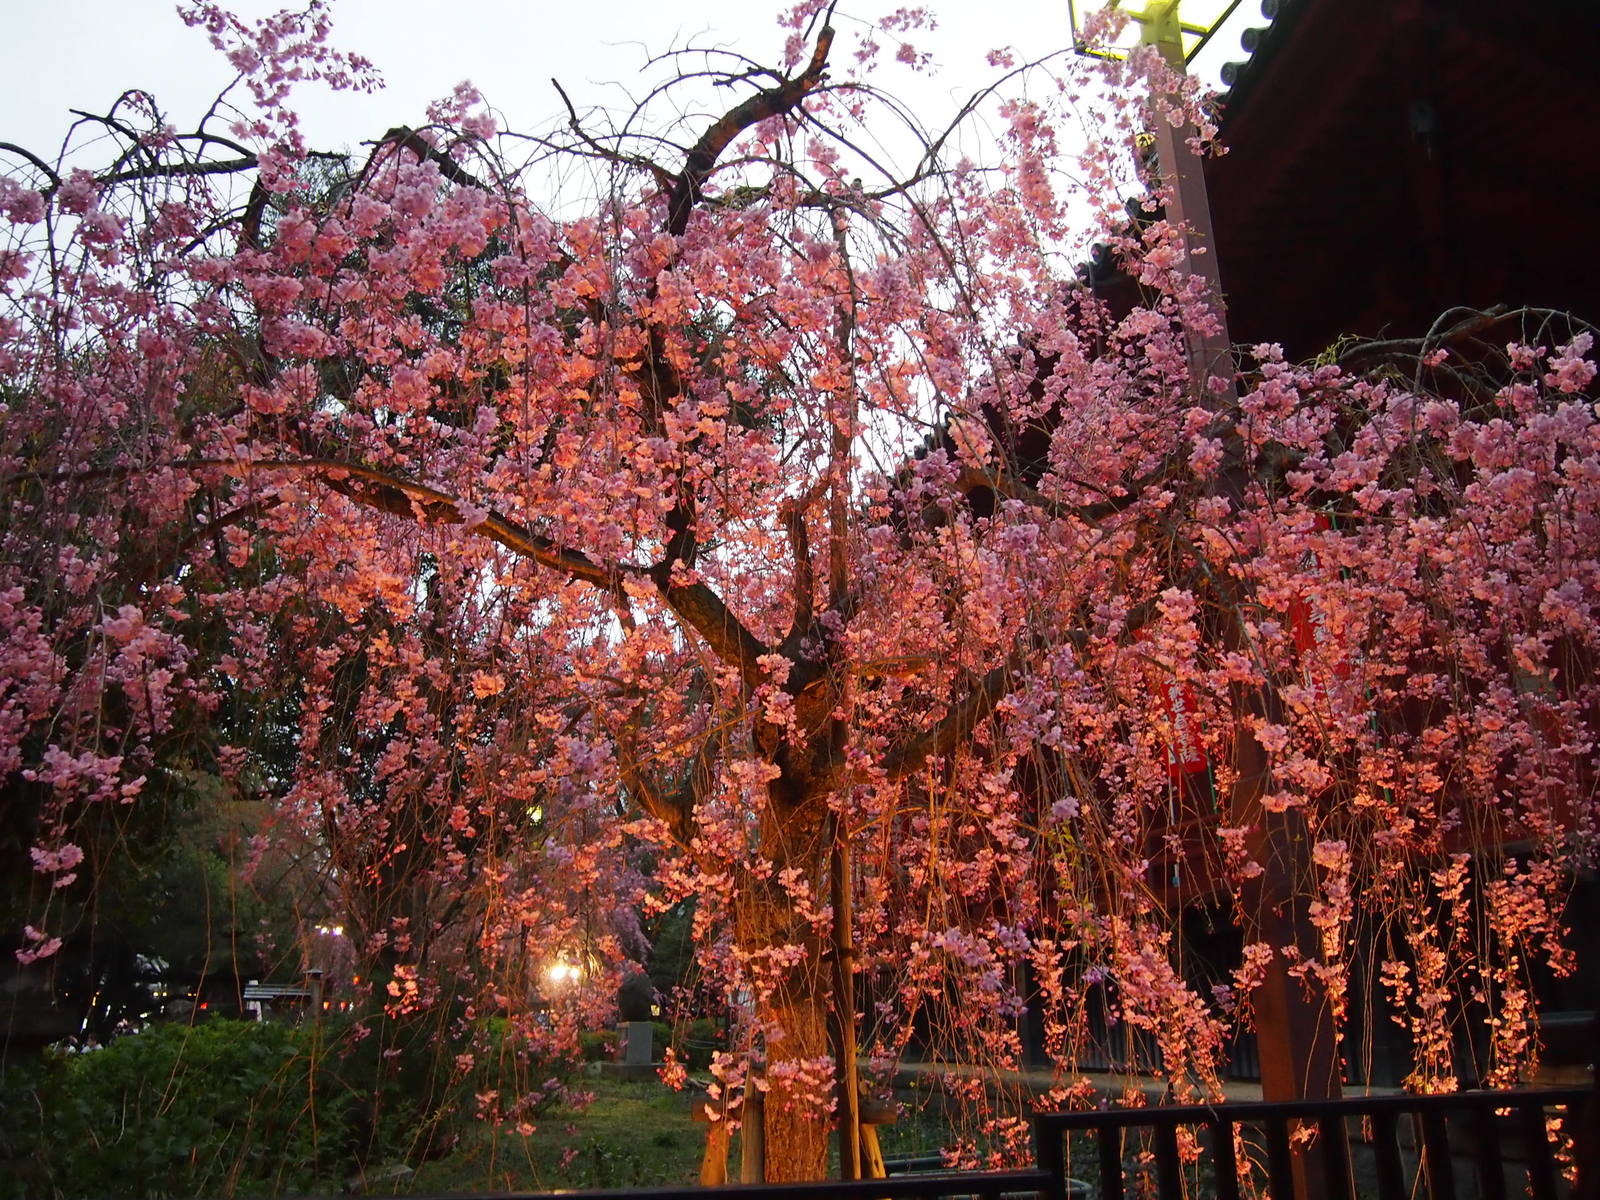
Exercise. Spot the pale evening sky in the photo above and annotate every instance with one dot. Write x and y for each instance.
(84, 53)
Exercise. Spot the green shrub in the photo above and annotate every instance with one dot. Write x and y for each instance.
(236, 1108)
(599, 1045)
(26, 1089)
(701, 1038)
(222, 1109)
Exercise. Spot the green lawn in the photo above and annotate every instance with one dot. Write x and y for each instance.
(633, 1134)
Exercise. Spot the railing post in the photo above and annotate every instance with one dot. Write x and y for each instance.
(1536, 1151)
(1490, 1164)
(1436, 1156)
(1169, 1172)
(1049, 1155)
(1280, 1159)
(1224, 1158)
(1110, 1149)
(1335, 1146)
(1386, 1155)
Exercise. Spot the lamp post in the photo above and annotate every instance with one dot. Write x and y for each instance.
(1179, 29)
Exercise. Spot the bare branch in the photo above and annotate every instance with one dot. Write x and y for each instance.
(390, 493)
(226, 166)
(1369, 354)
(38, 163)
(708, 615)
(765, 104)
(255, 211)
(204, 137)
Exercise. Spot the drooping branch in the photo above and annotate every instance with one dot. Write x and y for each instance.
(38, 164)
(665, 178)
(979, 703)
(675, 810)
(216, 525)
(1005, 484)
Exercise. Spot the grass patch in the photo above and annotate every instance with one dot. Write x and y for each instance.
(633, 1134)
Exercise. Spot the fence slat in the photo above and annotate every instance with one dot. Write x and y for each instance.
(1471, 1111)
(1280, 1164)
(1536, 1152)
(1436, 1143)
(1169, 1178)
(1110, 1163)
(1386, 1150)
(1226, 1162)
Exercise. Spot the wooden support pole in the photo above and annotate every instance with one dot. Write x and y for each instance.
(873, 1113)
(844, 1010)
(753, 1138)
(714, 1164)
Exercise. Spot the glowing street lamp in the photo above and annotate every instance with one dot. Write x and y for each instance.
(1178, 29)
(562, 974)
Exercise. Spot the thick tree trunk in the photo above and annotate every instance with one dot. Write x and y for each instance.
(797, 1112)
(792, 1002)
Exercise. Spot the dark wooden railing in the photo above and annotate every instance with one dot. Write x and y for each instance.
(1413, 1142)
(981, 1185)
(1473, 1125)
